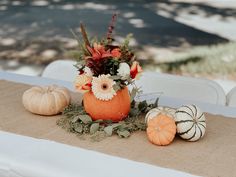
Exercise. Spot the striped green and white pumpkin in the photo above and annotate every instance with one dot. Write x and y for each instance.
(160, 110)
(190, 122)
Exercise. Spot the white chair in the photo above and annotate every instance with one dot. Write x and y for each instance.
(62, 70)
(231, 98)
(227, 85)
(187, 88)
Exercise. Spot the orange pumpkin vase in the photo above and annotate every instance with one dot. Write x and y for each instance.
(161, 130)
(115, 109)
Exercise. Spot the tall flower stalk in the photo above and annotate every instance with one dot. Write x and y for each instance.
(111, 28)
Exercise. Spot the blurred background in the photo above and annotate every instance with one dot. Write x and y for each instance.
(185, 37)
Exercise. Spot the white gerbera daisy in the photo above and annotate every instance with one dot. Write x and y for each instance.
(124, 70)
(102, 87)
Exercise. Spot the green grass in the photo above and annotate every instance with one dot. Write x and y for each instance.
(213, 60)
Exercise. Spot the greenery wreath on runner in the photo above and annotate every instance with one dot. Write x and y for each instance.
(76, 120)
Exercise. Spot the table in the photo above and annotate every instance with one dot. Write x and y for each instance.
(25, 156)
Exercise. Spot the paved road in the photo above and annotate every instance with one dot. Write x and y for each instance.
(213, 16)
(148, 21)
(174, 24)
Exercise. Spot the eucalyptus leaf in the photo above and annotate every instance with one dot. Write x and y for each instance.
(94, 128)
(85, 118)
(98, 121)
(108, 130)
(123, 134)
(126, 77)
(108, 121)
(116, 87)
(141, 126)
(78, 128)
(115, 125)
(115, 77)
(75, 119)
(124, 126)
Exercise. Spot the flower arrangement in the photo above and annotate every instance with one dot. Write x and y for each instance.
(104, 72)
(104, 68)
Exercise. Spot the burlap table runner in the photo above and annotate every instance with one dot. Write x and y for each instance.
(214, 155)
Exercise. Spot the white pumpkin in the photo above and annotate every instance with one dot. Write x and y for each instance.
(190, 122)
(160, 110)
(48, 100)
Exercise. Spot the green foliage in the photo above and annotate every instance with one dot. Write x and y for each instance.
(76, 120)
(126, 42)
(126, 53)
(215, 60)
(111, 66)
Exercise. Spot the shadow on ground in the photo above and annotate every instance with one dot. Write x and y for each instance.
(48, 19)
(38, 31)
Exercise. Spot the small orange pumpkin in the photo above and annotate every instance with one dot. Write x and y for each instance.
(161, 130)
(115, 109)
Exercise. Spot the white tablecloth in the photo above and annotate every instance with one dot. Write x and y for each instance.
(29, 157)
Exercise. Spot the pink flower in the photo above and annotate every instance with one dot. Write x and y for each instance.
(135, 69)
(98, 52)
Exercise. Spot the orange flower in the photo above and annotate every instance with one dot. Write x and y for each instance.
(83, 83)
(135, 69)
(116, 53)
(98, 52)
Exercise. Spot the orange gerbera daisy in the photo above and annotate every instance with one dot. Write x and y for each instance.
(98, 52)
(83, 83)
